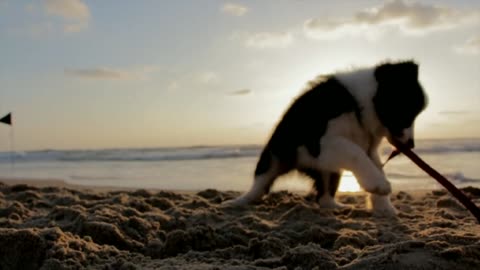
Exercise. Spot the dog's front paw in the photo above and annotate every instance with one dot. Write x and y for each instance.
(381, 187)
(382, 206)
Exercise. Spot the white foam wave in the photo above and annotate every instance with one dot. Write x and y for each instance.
(161, 154)
(456, 177)
(437, 147)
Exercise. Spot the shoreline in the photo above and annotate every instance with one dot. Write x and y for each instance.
(40, 183)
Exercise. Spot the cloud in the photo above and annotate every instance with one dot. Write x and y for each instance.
(75, 13)
(242, 92)
(68, 9)
(29, 7)
(39, 29)
(173, 86)
(208, 77)
(454, 113)
(409, 17)
(471, 46)
(264, 40)
(234, 9)
(74, 27)
(102, 73)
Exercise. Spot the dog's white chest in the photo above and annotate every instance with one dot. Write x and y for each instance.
(347, 126)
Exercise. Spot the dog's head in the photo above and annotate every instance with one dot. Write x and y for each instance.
(399, 99)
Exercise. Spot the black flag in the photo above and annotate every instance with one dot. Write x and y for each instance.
(7, 119)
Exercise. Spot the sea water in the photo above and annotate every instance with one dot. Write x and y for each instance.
(225, 167)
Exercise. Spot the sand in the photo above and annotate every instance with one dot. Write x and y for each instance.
(46, 227)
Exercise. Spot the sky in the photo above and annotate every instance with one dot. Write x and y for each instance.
(85, 74)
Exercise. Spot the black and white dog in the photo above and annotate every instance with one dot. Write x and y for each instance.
(338, 124)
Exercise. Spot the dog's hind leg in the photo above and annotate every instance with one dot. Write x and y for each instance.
(268, 169)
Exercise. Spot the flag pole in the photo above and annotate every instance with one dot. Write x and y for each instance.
(12, 149)
(7, 119)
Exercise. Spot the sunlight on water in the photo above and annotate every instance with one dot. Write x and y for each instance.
(348, 183)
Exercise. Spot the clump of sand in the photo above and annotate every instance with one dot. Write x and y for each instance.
(61, 228)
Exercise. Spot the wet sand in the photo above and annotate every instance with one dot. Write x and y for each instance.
(57, 226)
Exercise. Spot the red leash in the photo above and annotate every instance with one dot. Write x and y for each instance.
(458, 194)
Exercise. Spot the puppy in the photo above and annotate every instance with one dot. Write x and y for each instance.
(338, 124)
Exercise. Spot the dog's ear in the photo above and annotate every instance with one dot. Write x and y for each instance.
(383, 72)
(408, 70)
(405, 70)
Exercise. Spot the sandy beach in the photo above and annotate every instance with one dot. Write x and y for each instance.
(63, 227)
(126, 126)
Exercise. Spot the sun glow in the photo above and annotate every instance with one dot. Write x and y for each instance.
(348, 183)
(296, 182)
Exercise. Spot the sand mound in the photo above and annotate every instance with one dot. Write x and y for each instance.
(59, 228)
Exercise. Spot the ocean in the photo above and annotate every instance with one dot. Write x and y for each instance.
(225, 167)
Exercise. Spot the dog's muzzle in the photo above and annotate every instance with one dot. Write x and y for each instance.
(410, 143)
(406, 138)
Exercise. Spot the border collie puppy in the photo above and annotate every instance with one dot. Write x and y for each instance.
(338, 124)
